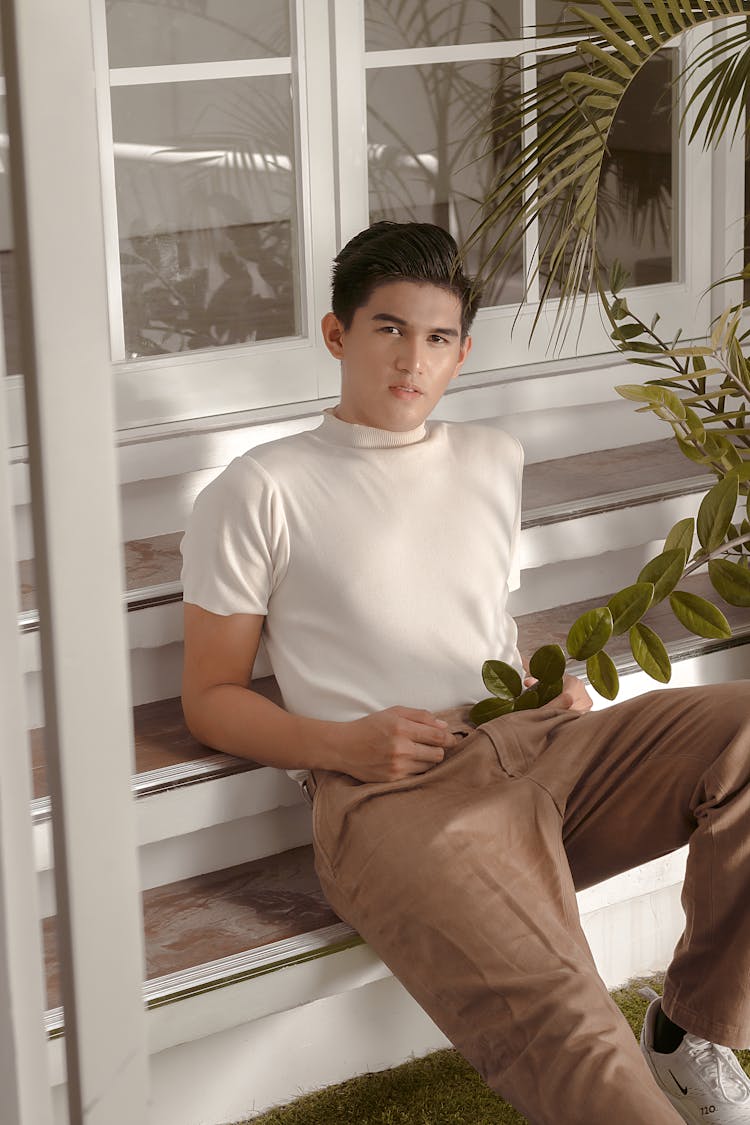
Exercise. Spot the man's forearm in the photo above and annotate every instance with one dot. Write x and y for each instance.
(240, 721)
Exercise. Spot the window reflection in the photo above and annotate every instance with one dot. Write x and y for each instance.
(636, 209)
(159, 32)
(426, 164)
(395, 24)
(206, 203)
(636, 206)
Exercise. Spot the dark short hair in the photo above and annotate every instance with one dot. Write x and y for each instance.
(386, 252)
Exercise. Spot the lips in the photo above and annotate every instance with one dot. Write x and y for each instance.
(405, 387)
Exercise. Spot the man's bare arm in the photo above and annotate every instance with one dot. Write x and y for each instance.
(223, 712)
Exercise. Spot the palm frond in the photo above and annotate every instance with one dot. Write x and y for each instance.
(565, 120)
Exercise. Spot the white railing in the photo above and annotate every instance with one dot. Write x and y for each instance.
(88, 736)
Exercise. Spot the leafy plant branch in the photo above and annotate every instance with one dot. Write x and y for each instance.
(590, 634)
(723, 546)
(565, 123)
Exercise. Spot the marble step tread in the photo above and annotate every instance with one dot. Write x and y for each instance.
(553, 490)
(551, 626)
(223, 914)
(163, 744)
(164, 748)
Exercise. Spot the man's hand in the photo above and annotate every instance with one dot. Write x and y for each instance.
(393, 744)
(573, 697)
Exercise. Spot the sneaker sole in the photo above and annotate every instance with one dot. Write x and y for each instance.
(685, 1111)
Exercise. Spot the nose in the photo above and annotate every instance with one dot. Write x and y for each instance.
(410, 358)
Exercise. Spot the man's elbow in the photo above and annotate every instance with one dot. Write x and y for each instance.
(197, 720)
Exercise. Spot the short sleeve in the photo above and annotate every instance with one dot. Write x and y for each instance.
(514, 574)
(235, 550)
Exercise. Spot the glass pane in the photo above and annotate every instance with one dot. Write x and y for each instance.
(394, 24)
(553, 14)
(207, 210)
(746, 250)
(186, 31)
(8, 287)
(636, 203)
(424, 164)
(636, 212)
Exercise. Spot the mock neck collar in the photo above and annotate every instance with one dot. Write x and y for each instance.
(338, 432)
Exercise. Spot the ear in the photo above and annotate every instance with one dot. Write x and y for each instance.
(462, 354)
(333, 335)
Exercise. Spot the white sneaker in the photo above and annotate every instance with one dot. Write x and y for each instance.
(704, 1082)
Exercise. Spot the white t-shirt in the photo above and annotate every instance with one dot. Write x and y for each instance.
(382, 560)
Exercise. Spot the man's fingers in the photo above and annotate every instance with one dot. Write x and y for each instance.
(420, 716)
(564, 700)
(569, 701)
(423, 728)
(422, 735)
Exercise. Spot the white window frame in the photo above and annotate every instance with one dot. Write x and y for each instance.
(328, 64)
(501, 335)
(172, 389)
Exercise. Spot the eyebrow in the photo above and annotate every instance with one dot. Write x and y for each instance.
(391, 319)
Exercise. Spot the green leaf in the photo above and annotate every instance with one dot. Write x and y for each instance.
(618, 277)
(590, 633)
(602, 674)
(650, 654)
(629, 606)
(716, 445)
(665, 571)
(642, 346)
(628, 332)
(681, 536)
(692, 452)
(654, 397)
(488, 709)
(528, 701)
(731, 581)
(699, 616)
(501, 679)
(549, 691)
(697, 429)
(716, 511)
(548, 664)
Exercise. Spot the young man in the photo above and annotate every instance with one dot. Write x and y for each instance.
(376, 553)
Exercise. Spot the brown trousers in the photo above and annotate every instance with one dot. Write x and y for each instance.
(463, 880)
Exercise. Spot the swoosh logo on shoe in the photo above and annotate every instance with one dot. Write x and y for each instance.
(683, 1088)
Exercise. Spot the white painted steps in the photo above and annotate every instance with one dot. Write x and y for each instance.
(187, 826)
(242, 1011)
(575, 509)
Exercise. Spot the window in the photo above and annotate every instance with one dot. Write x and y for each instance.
(428, 76)
(244, 141)
(216, 210)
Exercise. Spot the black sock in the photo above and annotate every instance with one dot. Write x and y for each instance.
(667, 1035)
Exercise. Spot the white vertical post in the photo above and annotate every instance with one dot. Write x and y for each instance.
(24, 1092)
(350, 92)
(729, 170)
(57, 215)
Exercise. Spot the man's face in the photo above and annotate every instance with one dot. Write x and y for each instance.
(400, 353)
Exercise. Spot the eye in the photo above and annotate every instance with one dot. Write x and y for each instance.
(388, 329)
(434, 338)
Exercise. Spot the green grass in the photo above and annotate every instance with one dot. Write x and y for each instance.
(438, 1089)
